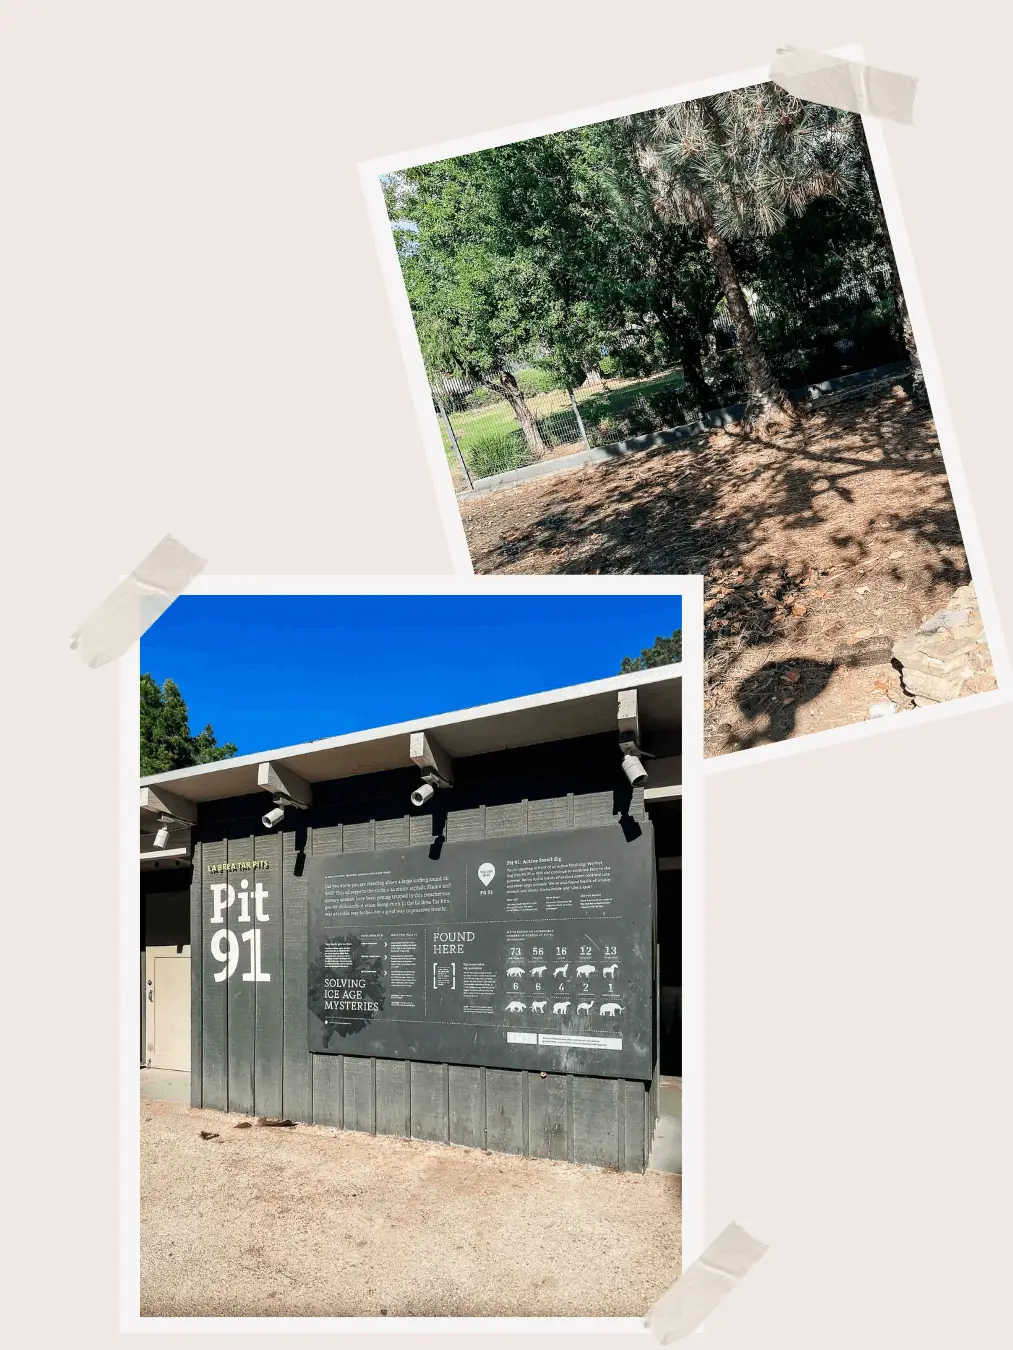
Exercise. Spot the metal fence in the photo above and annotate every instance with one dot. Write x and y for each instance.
(634, 392)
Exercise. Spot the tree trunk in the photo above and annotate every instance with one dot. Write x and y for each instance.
(506, 384)
(906, 332)
(686, 350)
(765, 392)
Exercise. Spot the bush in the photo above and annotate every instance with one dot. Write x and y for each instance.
(534, 381)
(496, 452)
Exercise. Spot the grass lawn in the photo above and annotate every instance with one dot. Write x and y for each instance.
(491, 439)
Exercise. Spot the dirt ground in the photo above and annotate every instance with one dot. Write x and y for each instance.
(314, 1222)
(820, 547)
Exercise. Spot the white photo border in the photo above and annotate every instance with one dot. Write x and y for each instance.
(694, 1227)
(370, 172)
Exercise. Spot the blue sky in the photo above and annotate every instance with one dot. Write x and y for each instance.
(276, 670)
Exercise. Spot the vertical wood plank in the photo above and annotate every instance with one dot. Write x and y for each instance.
(390, 1096)
(327, 838)
(635, 1112)
(393, 833)
(547, 1116)
(269, 1048)
(358, 838)
(215, 1016)
(467, 823)
(596, 1121)
(593, 808)
(196, 983)
(327, 1090)
(508, 818)
(427, 1103)
(548, 813)
(297, 1071)
(420, 828)
(359, 1097)
(504, 1110)
(242, 995)
(466, 1115)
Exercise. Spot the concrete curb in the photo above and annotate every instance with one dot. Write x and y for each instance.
(718, 417)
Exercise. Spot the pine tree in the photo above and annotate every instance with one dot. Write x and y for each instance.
(734, 165)
(166, 742)
(666, 651)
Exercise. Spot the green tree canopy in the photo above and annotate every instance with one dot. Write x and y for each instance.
(738, 165)
(666, 651)
(166, 742)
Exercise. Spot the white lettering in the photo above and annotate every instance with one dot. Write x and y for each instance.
(218, 905)
(218, 942)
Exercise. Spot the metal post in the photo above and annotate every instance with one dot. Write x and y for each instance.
(580, 420)
(451, 436)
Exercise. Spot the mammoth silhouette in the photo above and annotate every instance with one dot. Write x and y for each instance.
(561, 1007)
(609, 971)
(585, 1007)
(537, 970)
(609, 1009)
(561, 970)
(514, 1006)
(585, 970)
(538, 1005)
(515, 972)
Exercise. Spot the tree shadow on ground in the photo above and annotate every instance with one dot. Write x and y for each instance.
(784, 525)
(770, 698)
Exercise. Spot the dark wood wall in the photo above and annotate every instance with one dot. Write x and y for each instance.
(249, 1039)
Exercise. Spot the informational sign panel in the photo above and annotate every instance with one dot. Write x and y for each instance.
(531, 952)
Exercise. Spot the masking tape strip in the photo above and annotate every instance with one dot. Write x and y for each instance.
(711, 1277)
(136, 602)
(844, 84)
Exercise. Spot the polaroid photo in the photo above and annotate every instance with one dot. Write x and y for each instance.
(683, 334)
(412, 985)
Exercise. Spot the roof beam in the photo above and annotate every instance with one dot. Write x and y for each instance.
(165, 803)
(282, 782)
(436, 765)
(628, 718)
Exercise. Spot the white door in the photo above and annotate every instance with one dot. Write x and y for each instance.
(168, 1008)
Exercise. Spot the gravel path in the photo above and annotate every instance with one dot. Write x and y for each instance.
(317, 1222)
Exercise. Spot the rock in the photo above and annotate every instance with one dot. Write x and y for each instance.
(963, 595)
(937, 653)
(945, 618)
(882, 709)
(940, 689)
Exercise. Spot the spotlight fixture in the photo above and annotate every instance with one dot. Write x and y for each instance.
(161, 836)
(436, 765)
(634, 770)
(286, 789)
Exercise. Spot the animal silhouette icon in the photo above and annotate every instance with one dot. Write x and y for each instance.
(609, 971)
(585, 1007)
(515, 972)
(561, 970)
(538, 970)
(585, 970)
(561, 1007)
(538, 1005)
(514, 1006)
(609, 1009)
